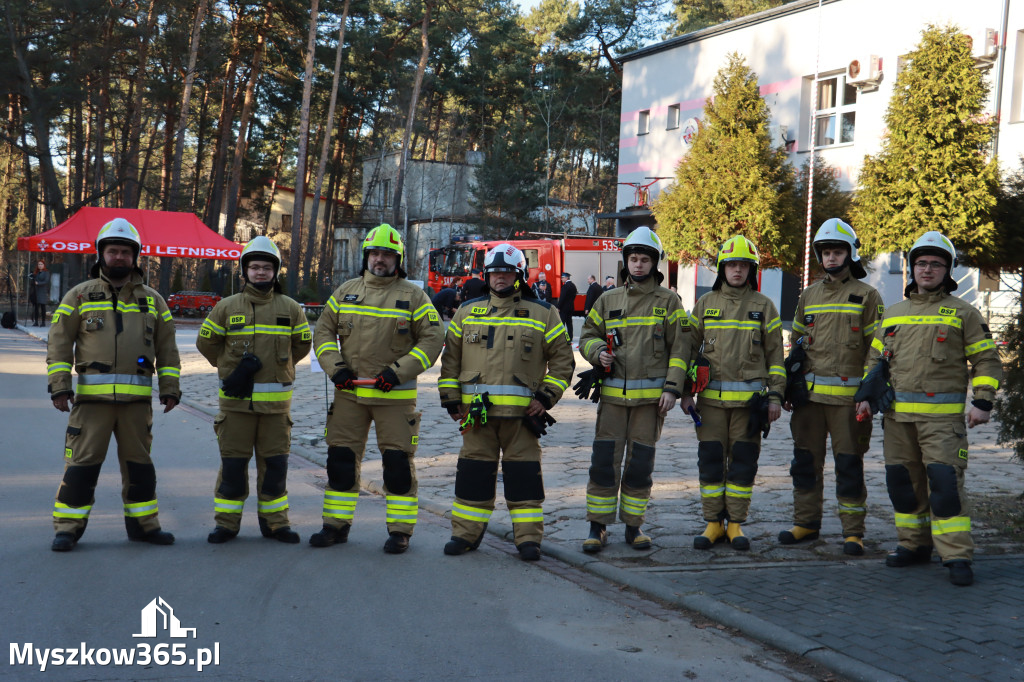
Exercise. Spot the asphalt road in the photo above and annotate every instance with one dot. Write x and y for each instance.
(269, 611)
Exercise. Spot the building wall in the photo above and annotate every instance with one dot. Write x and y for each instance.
(674, 79)
(432, 189)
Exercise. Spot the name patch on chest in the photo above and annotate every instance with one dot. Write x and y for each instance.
(479, 310)
(660, 312)
(713, 312)
(947, 311)
(756, 315)
(854, 298)
(350, 297)
(96, 296)
(236, 319)
(522, 313)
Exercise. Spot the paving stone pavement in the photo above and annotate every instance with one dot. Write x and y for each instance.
(853, 614)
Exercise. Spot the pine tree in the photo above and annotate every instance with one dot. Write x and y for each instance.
(931, 172)
(733, 181)
(1009, 408)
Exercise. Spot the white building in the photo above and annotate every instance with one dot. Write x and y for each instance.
(856, 48)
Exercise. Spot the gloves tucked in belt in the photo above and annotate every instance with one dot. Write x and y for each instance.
(386, 380)
(758, 419)
(538, 424)
(239, 383)
(589, 384)
(343, 379)
(876, 389)
(797, 394)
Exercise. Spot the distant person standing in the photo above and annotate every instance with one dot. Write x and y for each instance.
(446, 301)
(593, 291)
(39, 293)
(566, 302)
(542, 288)
(609, 283)
(473, 287)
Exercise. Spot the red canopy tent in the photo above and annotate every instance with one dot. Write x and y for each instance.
(164, 233)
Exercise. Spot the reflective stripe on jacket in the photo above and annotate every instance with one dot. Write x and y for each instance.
(372, 323)
(653, 332)
(269, 325)
(741, 333)
(116, 344)
(836, 320)
(510, 348)
(932, 337)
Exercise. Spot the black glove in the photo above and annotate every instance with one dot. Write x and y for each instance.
(876, 389)
(797, 394)
(544, 399)
(758, 420)
(386, 380)
(343, 379)
(538, 424)
(589, 384)
(453, 407)
(239, 383)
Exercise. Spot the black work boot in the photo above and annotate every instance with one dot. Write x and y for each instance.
(155, 537)
(64, 542)
(220, 535)
(283, 534)
(960, 573)
(329, 535)
(396, 543)
(529, 551)
(901, 556)
(457, 546)
(637, 538)
(597, 539)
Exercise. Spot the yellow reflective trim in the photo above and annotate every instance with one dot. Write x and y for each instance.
(922, 319)
(590, 344)
(326, 346)
(878, 345)
(631, 393)
(509, 321)
(928, 408)
(110, 389)
(750, 325)
(726, 395)
(276, 396)
(371, 392)
(957, 524)
(911, 520)
(985, 381)
(471, 513)
(984, 344)
(514, 400)
(833, 390)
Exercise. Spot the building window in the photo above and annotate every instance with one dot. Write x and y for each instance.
(644, 123)
(385, 193)
(834, 113)
(673, 117)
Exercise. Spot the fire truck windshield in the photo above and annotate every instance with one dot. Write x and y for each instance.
(457, 261)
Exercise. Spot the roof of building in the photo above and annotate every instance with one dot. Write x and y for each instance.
(727, 27)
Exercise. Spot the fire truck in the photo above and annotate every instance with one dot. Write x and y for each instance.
(453, 264)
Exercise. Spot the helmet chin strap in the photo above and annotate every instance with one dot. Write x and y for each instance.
(640, 278)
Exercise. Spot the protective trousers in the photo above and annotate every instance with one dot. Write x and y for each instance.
(239, 434)
(476, 476)
(925, 463)
(811, 425)
(635, 430)
(726, 462)
(398, 429)
(85, 448)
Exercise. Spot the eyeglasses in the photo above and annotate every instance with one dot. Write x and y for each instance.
(261, 268)
(929, 265)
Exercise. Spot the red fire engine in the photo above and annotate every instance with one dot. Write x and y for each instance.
(451, 265)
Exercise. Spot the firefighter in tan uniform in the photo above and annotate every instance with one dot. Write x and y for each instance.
(641, 377)
(377, 326)
(834, 323)
(507, 359)
(738, 331)
(254, 339)
(117, 333)
(924, 345)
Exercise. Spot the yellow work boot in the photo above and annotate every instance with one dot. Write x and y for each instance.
(715, 532)
(796, 534)
(734, 532)
(854, 546)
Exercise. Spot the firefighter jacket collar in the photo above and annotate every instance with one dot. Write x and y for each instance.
(134, 279)
(731, 292)
(502, 304)
(256, 296)
(834, 282)
(372, 280)
(929, 296)
(635, 288)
